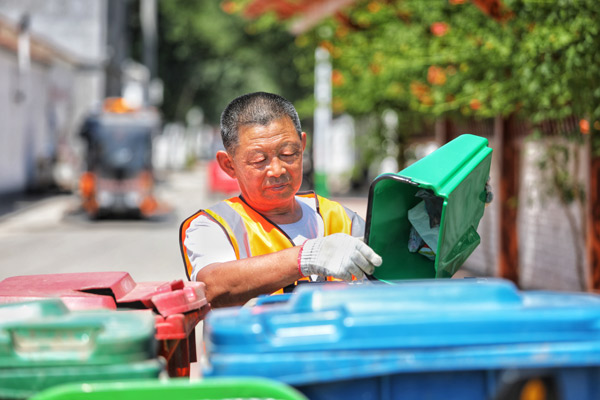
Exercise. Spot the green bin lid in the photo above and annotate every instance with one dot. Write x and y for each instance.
(45, 333)
(22, 383)
(456, 173)
(181, 389)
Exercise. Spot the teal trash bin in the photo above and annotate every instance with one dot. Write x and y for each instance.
(427, 339)
(454, 177)
(43, 344)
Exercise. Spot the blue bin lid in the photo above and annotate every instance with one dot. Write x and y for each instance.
(411, 325)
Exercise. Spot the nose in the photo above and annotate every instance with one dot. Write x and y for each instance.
(276, 168)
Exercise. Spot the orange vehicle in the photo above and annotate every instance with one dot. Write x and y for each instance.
(118, 178)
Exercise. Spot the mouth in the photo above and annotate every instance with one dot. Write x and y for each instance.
(278, 186)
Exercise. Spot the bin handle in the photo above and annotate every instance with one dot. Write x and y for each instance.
(41, 342)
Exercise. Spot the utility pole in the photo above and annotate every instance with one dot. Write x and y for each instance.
(148, 15)
(322, 120)
(118, 45)
(148, 22)
(23, 58)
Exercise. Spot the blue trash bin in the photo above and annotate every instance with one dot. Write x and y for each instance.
(426, 339)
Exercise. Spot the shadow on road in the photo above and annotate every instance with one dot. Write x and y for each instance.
(76, 215)
(11, 203)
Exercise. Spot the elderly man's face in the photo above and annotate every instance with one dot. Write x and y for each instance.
(268, 164)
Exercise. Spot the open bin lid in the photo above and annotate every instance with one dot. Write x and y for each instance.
(456, 173)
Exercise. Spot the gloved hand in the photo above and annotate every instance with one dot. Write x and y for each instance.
(338, 255)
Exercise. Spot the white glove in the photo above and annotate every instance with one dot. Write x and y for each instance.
(338, 255)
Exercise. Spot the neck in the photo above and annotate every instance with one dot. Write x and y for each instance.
(287, 214)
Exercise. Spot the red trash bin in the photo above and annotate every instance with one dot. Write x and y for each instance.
(219, 181)
(178, 306)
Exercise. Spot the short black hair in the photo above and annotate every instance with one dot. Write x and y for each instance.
(258, 108)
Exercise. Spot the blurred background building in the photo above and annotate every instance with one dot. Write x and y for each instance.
(52, 57)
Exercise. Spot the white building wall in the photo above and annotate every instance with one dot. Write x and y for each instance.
(12, 171)
(74, 26)
(38, 133)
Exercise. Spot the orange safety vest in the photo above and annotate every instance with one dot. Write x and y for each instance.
(252, 234)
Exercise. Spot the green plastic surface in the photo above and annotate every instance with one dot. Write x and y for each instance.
(44, 344)
(457, 172)
(22, 383)
(177, 389)
(45, 333)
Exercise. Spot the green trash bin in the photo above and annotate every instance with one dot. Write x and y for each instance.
(43, 344)
(179, 389)
(454, 177)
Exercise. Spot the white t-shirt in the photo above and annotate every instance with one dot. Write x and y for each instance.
(207, 243)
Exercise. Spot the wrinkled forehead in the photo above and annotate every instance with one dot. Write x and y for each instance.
(264, 120)
(275, 134)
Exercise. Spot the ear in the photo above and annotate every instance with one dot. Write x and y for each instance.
(226, 163)
(303, 137)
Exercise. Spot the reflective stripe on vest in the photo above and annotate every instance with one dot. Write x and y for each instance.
(252, 234)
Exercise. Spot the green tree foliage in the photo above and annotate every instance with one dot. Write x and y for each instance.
(539, 59)
(208, 55)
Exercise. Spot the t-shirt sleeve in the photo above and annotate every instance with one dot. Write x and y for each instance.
(206, 243)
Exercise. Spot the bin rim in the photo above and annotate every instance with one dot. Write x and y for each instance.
(156, 389)
(382, 177)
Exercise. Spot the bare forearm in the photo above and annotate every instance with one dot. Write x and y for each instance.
(235, 282)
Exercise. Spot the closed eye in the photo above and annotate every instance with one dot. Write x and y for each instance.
(289, 156)
(257, 160)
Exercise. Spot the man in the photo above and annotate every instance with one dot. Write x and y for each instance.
(270, 236)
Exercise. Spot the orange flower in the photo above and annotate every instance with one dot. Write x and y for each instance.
(375, 68)
(439, 28)
(421, 92)
(374, 7)
(584, 126)
(229, 7)
(418, 89)
(436, 75)
(337, 78)
(456, 2)
(326, 44)
(475, 104)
